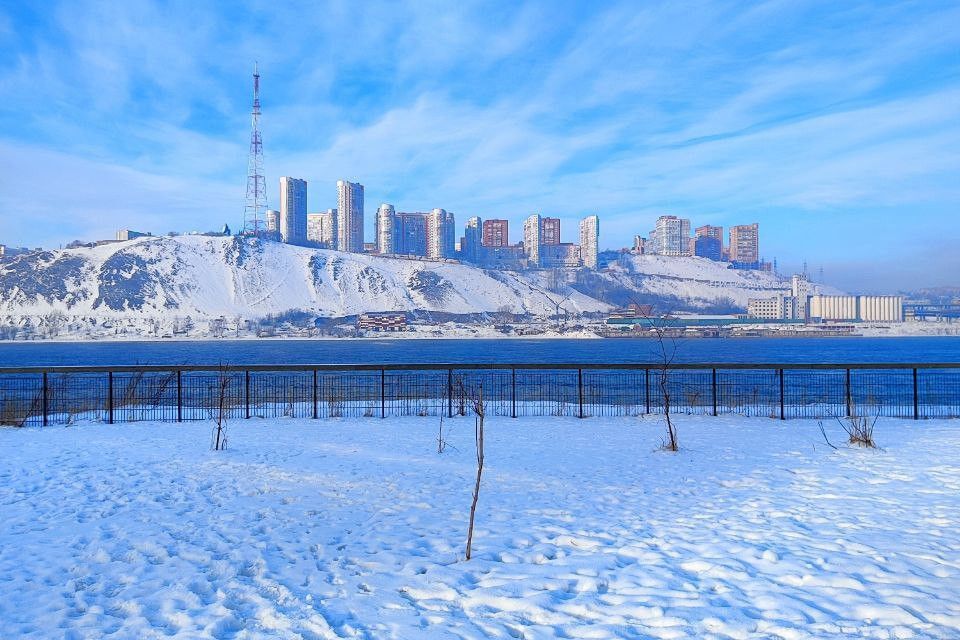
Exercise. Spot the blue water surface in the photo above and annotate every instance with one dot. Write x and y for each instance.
(387, 351)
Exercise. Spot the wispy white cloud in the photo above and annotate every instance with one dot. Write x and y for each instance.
(784, 112)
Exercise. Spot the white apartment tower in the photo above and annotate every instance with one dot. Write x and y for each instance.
(441, 234)
(293, 210)
(386, 228)
(531, 239)
(349, 216)
(589, 241)
(321, 228)
(273, 223)
(671, 237)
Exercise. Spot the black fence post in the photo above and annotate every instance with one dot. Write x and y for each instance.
(315, 399)
(646, 385)
(383, 393)
(110, 397)
(916, 396)
(246, 394)
(783, 413)
(513, 393)
(179, 396)
(713, 388)
(580, 389)
(449, 393)
(849, 395)
(44, 401)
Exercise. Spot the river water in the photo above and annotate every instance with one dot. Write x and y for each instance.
(376, 351)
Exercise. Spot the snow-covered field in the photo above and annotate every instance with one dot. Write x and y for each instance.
(355, 528)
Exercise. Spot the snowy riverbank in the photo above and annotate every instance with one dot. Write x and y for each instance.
(355, 528)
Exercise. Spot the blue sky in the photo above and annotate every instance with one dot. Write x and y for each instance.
(833, 125)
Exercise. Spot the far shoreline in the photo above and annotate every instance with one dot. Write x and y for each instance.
(392, 337)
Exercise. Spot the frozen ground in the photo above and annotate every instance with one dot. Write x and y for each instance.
(355, 528)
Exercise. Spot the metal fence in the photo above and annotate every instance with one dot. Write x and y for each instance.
(59, 395)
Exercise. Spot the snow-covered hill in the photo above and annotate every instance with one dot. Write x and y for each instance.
(161, 286)
(698, 282)
(204, 276)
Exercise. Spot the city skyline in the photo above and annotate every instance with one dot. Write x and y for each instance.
(834, 129)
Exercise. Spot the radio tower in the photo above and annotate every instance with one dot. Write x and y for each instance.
(256, 204)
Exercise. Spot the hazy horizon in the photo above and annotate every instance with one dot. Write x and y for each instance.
(833, 126)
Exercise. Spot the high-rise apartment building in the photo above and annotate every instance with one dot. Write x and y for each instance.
(496, 233)
(441, 234)
(745, 243)
(321, 228)
(531, 239)
(589, 241)
(349, 216)
(415, 233)
(293, 210)
(273, 223)
(411, 234)
(550, 231)
(671, 237)
(471, 245)
(708, 242)
(709, 231)
(386, 229)
(707, 247)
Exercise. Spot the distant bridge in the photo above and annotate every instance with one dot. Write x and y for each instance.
(925, 311)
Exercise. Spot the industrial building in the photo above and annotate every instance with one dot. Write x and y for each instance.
(780, 307)
(856, 308)
(806, 305)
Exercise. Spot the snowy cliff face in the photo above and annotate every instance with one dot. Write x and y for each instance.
(212, 276)
(698, 281)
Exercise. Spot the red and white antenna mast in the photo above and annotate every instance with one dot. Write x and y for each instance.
(254, 211)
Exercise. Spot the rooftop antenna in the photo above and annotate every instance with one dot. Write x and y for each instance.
(254, 210)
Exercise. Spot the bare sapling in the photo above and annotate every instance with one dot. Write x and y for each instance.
(666, 353)
(461, 397)
(479, 410)
(218, 438)
(441, 443)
